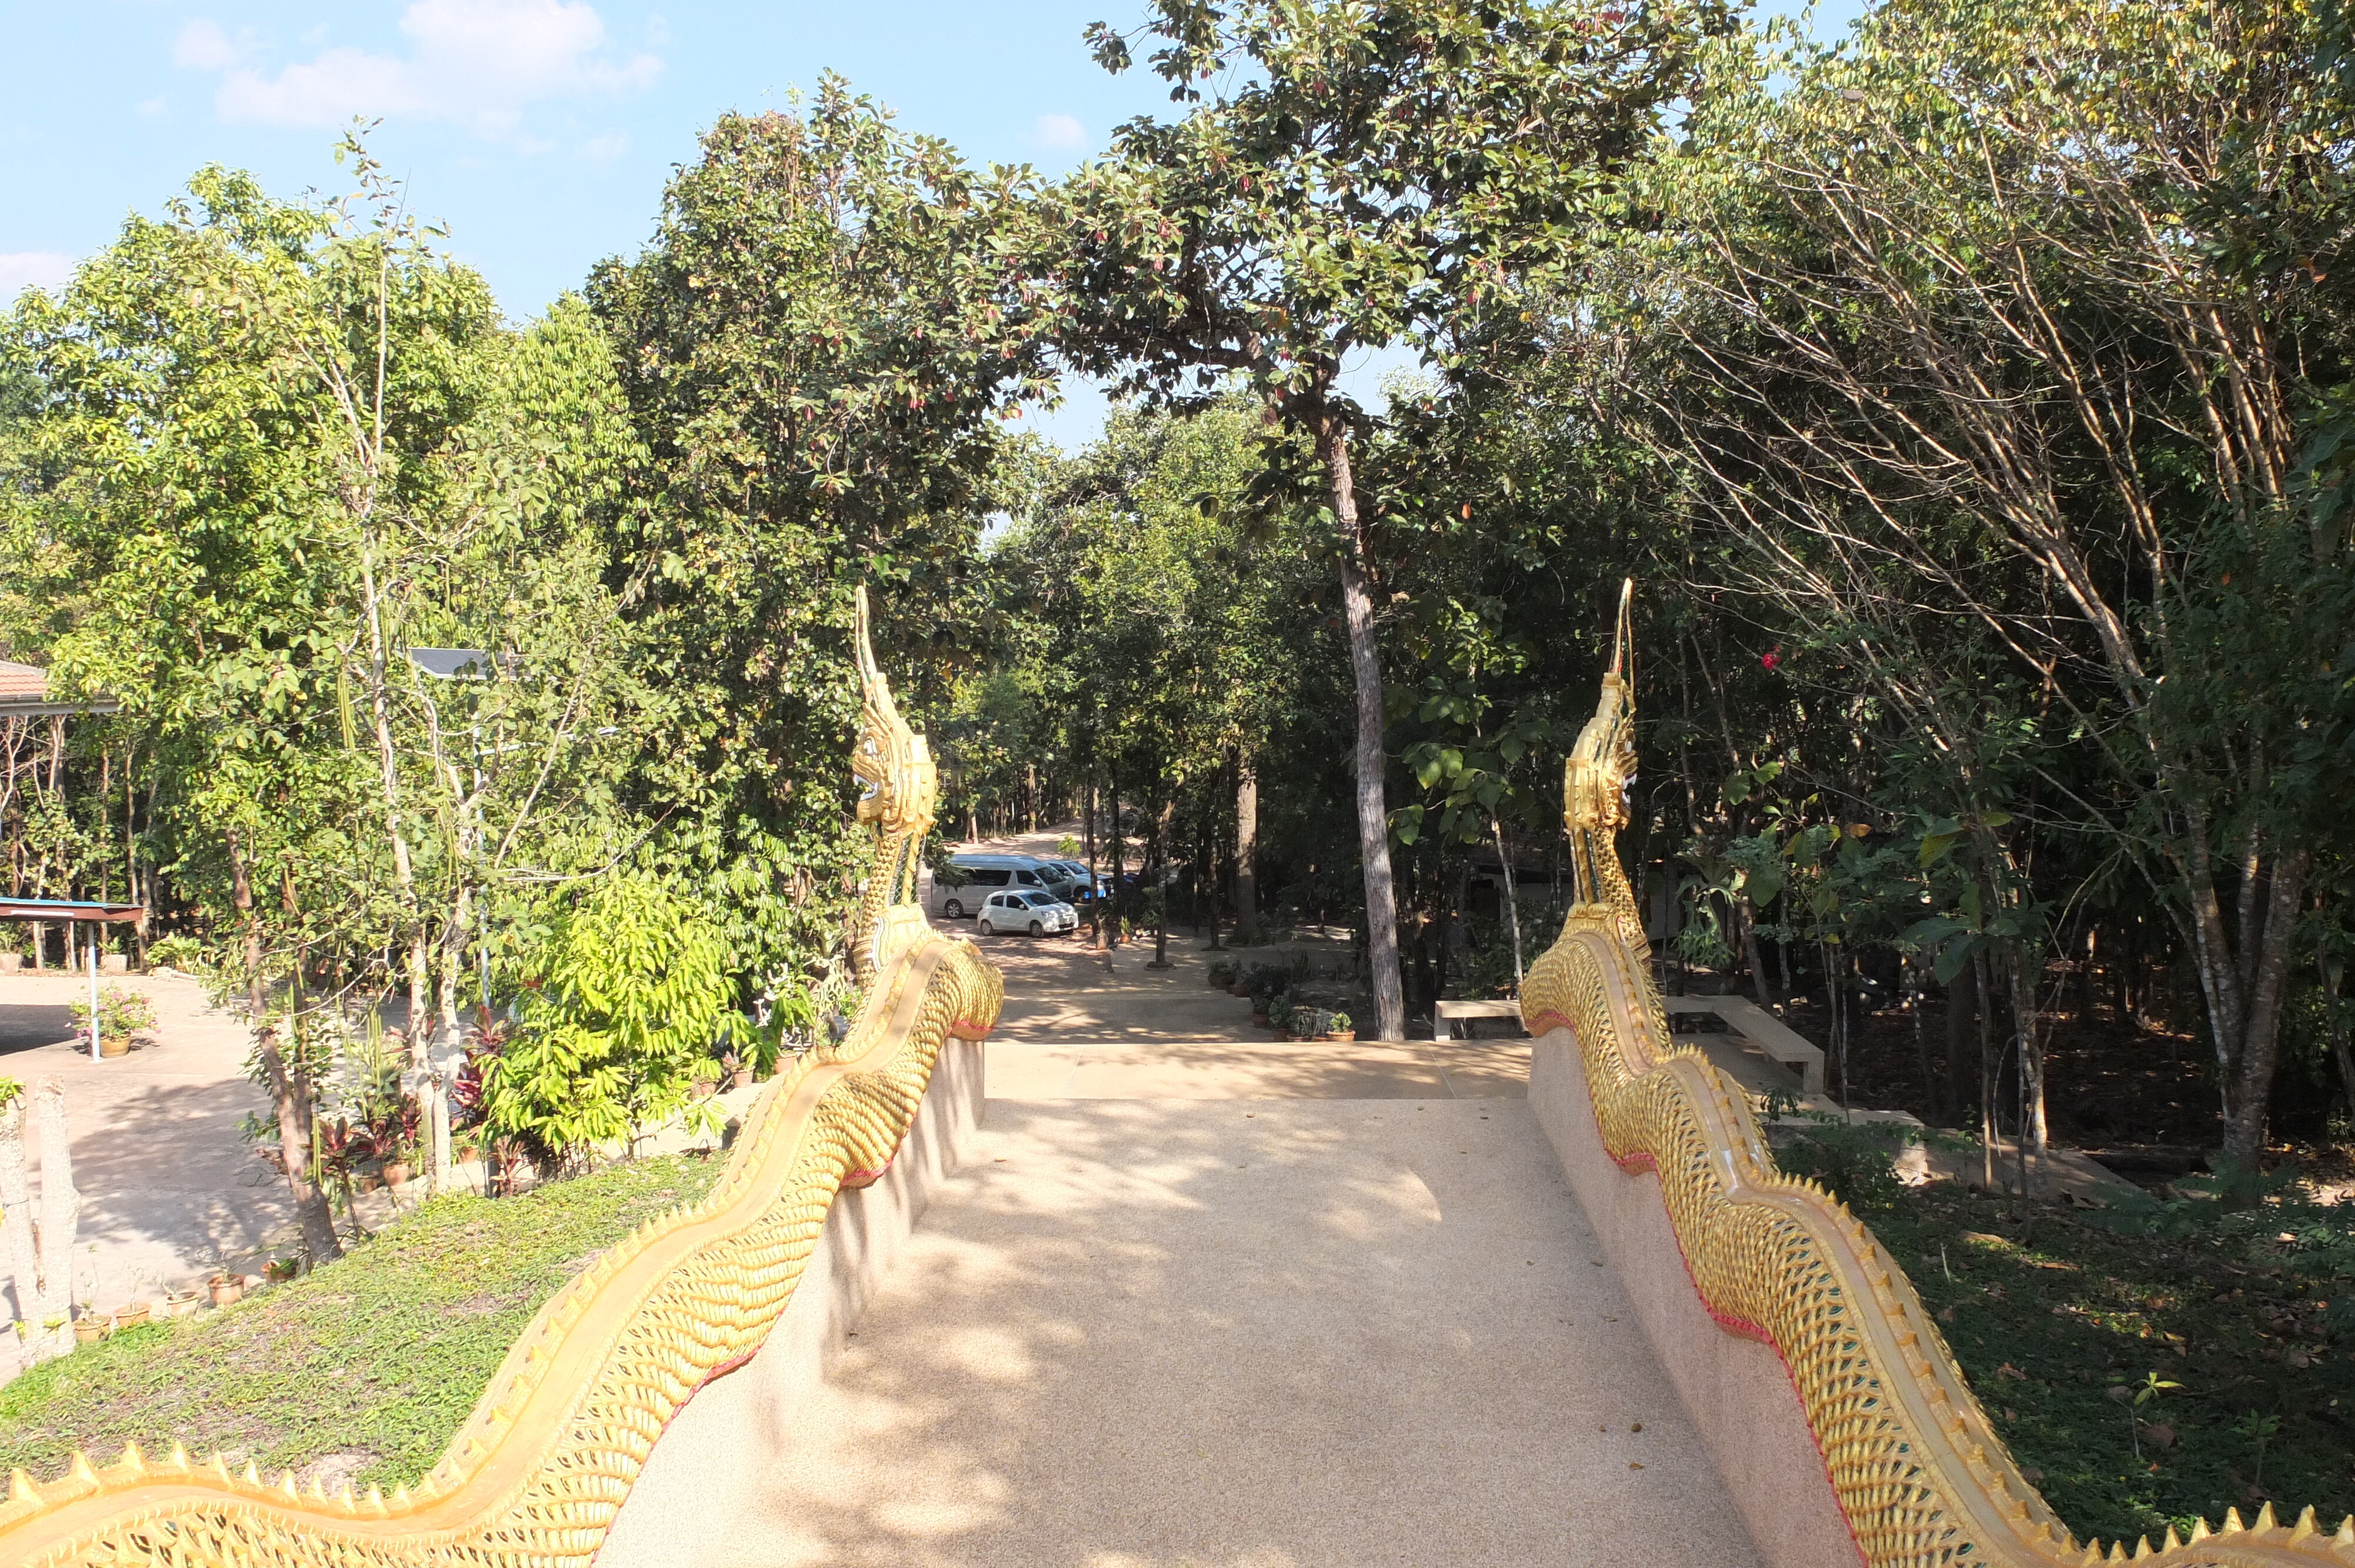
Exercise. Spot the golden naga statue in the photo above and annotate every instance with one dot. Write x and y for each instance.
(1921, 1477)
(537, 1475)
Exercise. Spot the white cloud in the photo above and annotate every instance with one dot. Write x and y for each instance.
(478, 62)
(32, 270)
(202, 46)
(1060, 131)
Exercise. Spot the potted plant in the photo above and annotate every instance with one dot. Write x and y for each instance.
(90, 1328)
(120, 1015)
(131, 1316)
(226, 1288)
(1278, 1012)
(1338, 1028)
(1221, 976)
(282, 1269)
(181, 1303)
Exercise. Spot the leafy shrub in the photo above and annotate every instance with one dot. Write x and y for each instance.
(1853, 1160)
(631, 997)
(180, 952)
(119, 1013)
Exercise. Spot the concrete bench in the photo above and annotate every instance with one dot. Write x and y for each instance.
(1777, 1040)
(1445, 1015)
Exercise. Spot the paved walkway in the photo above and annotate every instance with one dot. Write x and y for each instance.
(170, 1190)
(1249, 1333)
(1204, 1300)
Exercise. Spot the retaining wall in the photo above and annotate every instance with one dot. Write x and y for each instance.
(701, 1480)
(1736, 1388)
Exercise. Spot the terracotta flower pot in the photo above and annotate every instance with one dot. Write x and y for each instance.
(1239, 989)
(114, 1044)
(226, 1288)
(180, 1303)
(742, 1078)
(1260, 1019)
(132, 1316)
(89, 1329)
(396, 1173)
(705, 1088)
(1343, 1036)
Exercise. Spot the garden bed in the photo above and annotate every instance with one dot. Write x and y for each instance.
(360, 1372)
(2059, 1322)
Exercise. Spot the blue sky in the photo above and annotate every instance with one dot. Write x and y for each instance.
(541, 131)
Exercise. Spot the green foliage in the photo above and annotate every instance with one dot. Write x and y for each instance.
(119, 1013)
(822, 353)
(631, 995)
(2061, 1325)
(380, 1354)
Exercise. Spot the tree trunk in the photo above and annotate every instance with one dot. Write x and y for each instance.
(1930, 1098)
(1753, 955)
(2265, 961)
(1119, 885)
(1983, 1014)
(1512, 897)
(1246, 854)
(2033, 1124)
(288, 1095)
(1962, 1030)
(1161, 879)
(1366, 669)
(1096, 887)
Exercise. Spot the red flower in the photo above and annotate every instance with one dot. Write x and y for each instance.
(1774, 658)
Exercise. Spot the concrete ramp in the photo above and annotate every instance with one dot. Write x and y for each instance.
(1237, 1334)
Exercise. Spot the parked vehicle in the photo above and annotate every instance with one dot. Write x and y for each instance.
(1084, 888)
(1037, 913)
(986, 874)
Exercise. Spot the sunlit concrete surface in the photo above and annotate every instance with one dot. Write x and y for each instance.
(170, 1190)
(1248, 1334)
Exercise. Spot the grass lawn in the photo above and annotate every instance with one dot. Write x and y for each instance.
(371, 1362)
(2052, 1317)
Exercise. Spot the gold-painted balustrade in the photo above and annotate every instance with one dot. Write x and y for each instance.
(537, 1475)
(1920, 1474)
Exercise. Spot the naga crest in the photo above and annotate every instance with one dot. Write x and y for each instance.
(1595, 778)
(890, 759)
(1602, 765)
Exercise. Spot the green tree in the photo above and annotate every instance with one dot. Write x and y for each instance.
(822, 350)
(616, 1027)
(1374, 172)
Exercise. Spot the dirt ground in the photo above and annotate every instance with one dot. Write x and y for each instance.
(170, 1192)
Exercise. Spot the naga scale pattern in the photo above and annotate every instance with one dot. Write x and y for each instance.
(1919, 1473)
(535, 1476)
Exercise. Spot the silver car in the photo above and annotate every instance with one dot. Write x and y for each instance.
(1037, 913)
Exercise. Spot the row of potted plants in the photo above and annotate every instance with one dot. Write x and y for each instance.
(223, 1289)
(1307, 1022)
(1272, 1006)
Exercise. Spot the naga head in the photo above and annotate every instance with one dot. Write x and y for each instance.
(1602, 764)
(890, 760)
(1602, 767)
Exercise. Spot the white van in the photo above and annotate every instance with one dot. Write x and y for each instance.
(989, 873)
